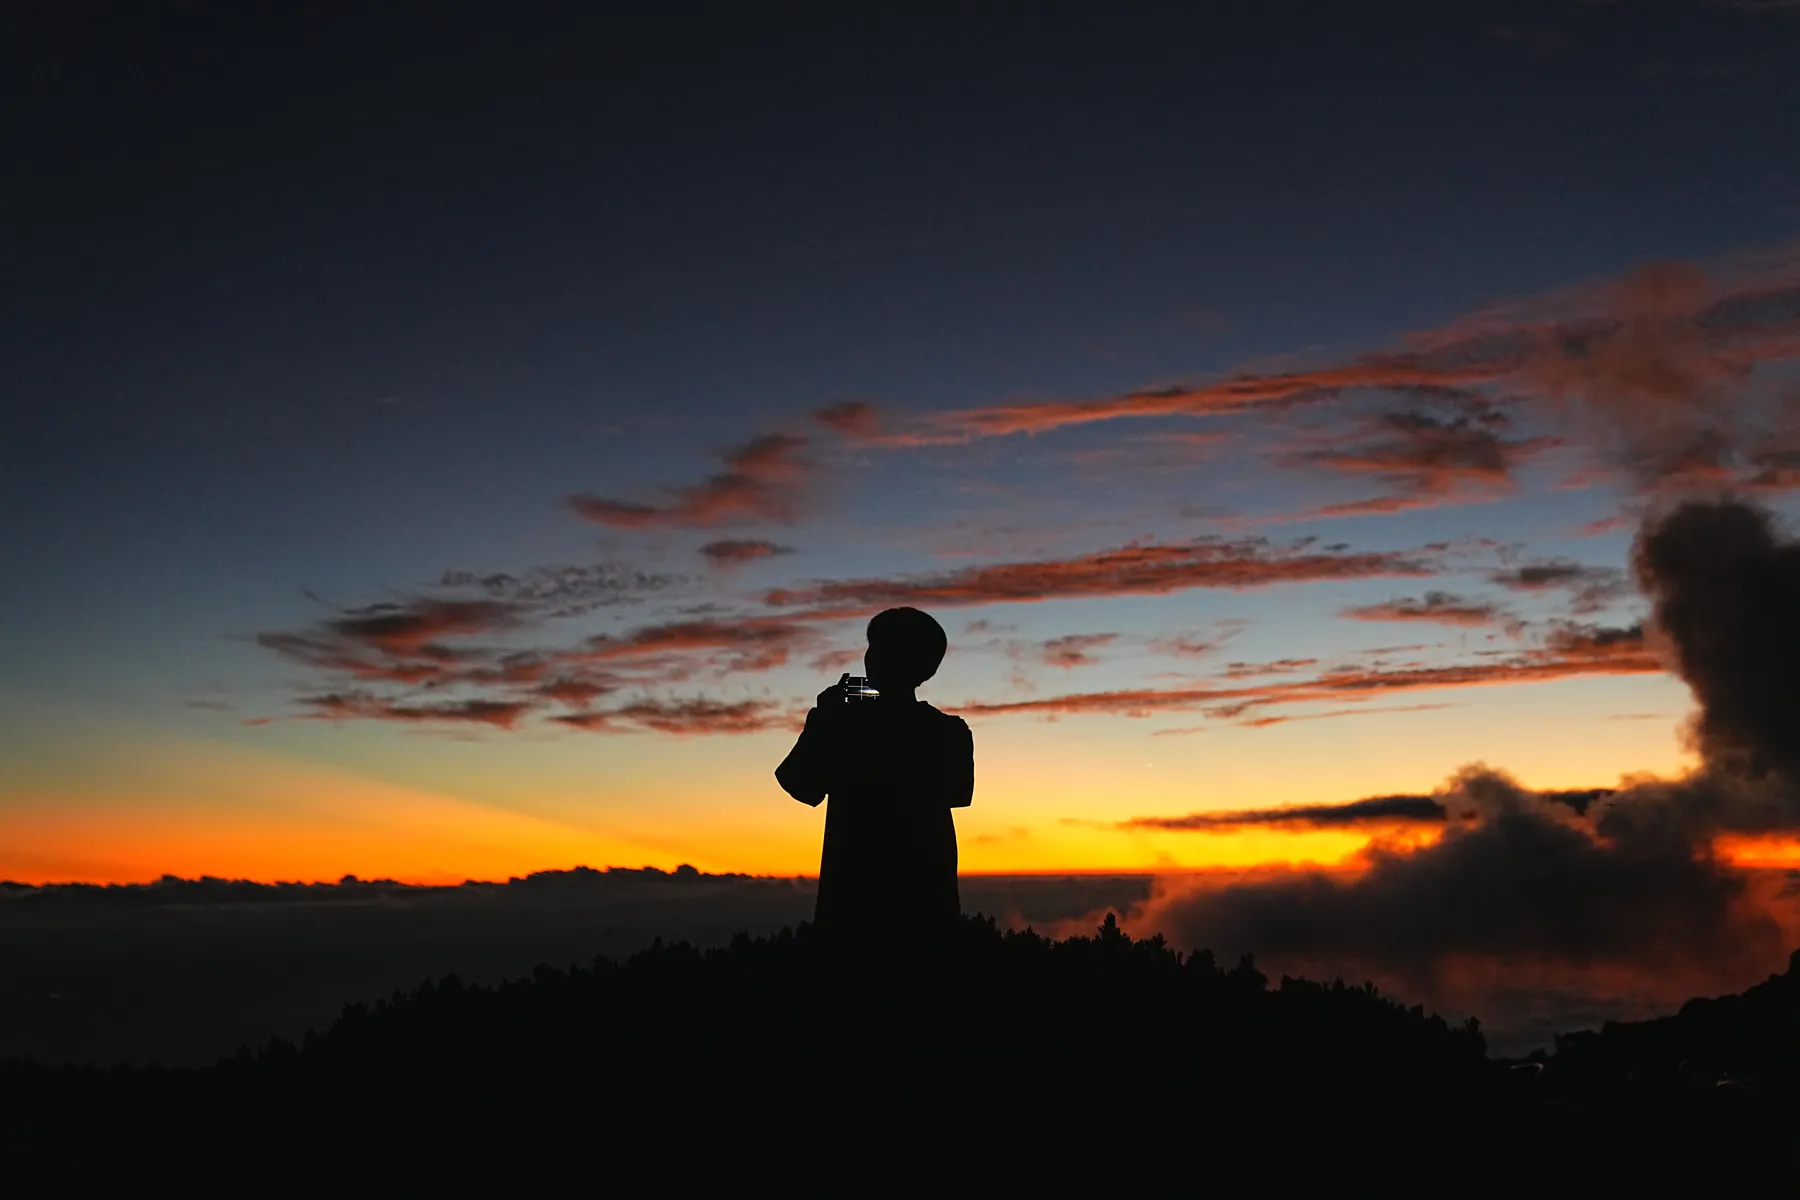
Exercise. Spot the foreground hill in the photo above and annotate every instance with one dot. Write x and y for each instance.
(1089, 1055)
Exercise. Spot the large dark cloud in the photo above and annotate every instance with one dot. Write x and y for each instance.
(1725, 591)
(1532, 886)
(1522, 881)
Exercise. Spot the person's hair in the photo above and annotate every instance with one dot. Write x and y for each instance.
(910, 643)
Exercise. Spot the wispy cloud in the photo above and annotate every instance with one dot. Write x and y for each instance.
(1074, 650)
(1332, 714)
(1571, 652)
(338, 706)
(1590, 588)
(1376, 810)
(852, 418)
(686, 717)
(1653, 372)
(750, 644)
(1441, 450)
(1148, 569)
(732, 552)
(764, 480)
(1439, 608)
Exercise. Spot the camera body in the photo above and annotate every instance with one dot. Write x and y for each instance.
(856, 687)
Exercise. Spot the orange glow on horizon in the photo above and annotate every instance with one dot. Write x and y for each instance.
(1759, 851)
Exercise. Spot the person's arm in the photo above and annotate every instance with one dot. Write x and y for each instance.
(959, 766)
(806, 773)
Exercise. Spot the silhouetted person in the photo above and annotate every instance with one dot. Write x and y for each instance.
(894, 767)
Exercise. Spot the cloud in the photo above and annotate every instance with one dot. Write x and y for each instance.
(751, 644)
(578, 690)
(687, 717)
(1239, 393)
(563, 591)
(412, 627)
(1655, 374)
(1148, 569)
(426, 660)
(338, 706)
(1439, 608)
(1599, 892)
(1602, 526)
(1725, 595)
(1516, 879)
(1072, 650)
(835, 660)
(1281, 666)
(1457, 453)
(1376, 809)
(1571, 651)
(239, 961)
(1590, 588)
(852, 418)
(399, 642)
(1333, 713)
(764, 480)
(1186, 645)
(731, 552)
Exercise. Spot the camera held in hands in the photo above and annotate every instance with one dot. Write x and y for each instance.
(856, 687)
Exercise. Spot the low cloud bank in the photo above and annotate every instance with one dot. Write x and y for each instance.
(185, 971)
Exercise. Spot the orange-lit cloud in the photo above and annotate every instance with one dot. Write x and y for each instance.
(341, 706)
(751, 644)
(1440, 608)
(1236, 394)
(1572, 652)
(852, 418)
(1149, 569)
(765, 479)
(686, 717)
(1655, 371)
(1425, 457)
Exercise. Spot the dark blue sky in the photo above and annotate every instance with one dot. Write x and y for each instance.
(340, 299)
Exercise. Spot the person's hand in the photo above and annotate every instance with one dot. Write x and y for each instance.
(831, 697)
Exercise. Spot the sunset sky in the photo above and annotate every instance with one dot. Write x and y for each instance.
(461, 449)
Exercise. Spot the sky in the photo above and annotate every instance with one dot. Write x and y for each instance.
(451, 444)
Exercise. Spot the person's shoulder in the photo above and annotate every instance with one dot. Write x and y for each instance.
(949, 721)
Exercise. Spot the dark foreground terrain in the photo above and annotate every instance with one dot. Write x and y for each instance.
(1098, 1061)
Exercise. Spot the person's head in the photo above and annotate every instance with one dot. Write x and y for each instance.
(905, 648)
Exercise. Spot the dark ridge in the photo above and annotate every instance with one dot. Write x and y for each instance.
(1093, 1058)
